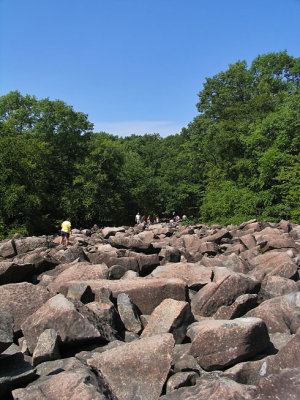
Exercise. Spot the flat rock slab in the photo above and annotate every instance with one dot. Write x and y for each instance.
(136, 370)
(80, 272)
(145, 293)
(194, 275)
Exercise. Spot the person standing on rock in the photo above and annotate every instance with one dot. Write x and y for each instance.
(65, 232)
(138, 218)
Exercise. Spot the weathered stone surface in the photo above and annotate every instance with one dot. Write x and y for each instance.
(194, 275)
(56, 366)
(278, 286)
(224, 292)
(140, 242)
(220, 271)
(145, 293)
(277, 313)
(170, 254)
(221, 343)
(80, 272)
(81, 292)
(6, 330)
(116, 272)
(187, 362)
(10, 272)
(237, 309)
(128, 313)
(169, 316)
(69, 255)
(126, 372)
(128, 263)
(74, 385)
(40, 259)
(111, 231)
(287, 357)
(285, 385)
(8, 249)
(181, 379)
(22, 300)
(215, 389)
(27, 244)
(61, 315)
(47, 347)
(273, 262)
(14, 372)
(146, 262)
(248, 241)
(106, 312)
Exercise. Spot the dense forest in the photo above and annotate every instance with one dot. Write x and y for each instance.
(238, 159)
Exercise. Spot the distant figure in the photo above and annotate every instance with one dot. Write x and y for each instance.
(65, 232)
(171, 221)
(157, 220)
(177, 218)
(137, 218)
(184, 217)
(148, 220)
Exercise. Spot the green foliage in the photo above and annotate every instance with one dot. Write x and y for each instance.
(238, 159)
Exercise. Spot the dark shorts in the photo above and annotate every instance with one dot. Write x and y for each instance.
(64, 234)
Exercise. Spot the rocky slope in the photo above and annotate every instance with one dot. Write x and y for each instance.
(146, 313)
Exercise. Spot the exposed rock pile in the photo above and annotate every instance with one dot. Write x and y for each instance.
(146, 313)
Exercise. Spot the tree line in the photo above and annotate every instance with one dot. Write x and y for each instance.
(238, 159)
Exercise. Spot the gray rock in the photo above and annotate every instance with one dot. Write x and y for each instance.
(6, 330)
(128, 313)
(128, 375)
(47, 348)
(218, 344)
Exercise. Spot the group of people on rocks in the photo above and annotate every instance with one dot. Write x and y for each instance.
(66, 230)
(140, 219)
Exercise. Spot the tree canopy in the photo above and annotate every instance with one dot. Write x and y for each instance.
(238, 159)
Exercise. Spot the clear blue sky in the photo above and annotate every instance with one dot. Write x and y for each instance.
(135, 66)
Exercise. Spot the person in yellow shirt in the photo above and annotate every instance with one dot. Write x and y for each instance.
(65, 231)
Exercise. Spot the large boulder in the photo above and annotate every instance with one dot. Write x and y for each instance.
(194, 275)
(27, 244)
(61, 315)
(217, 344)
(223, 292)
(80, 271)
(273, 263)
(170, 316)
(279, 314)
(128, 375)
(22, 300)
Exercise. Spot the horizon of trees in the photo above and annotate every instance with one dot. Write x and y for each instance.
(238, 159)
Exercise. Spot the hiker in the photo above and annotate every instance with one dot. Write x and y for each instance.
(148, 220)
(65, 232)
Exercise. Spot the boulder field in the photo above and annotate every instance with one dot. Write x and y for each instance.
(152, 312)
